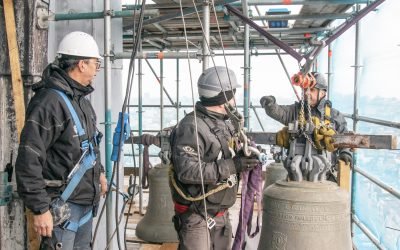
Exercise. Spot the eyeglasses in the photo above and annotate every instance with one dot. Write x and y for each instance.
(97, 62)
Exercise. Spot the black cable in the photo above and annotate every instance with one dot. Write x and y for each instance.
(132, 195)
(118, 222)
(103, 207)
(124, 106)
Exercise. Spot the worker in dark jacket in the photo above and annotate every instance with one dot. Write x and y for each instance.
(322, 116)
(50, 146)
(205, 159)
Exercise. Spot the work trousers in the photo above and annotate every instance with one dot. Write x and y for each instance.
(82, 238)
(194, 234)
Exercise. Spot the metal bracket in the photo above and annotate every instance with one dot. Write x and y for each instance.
(42, 18)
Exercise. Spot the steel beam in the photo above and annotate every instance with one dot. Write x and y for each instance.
(310, 2)
(98, 15)
(356, 72)
(181, 55)
(153, 43)
(107, 108)
(160, 28)
(234, 26)
(279, 31)
(160, 81)
(374, 121)
(157, 55)
(206, 34)
(381, 184)
(215, 40)
(186, 11)
(287, 74)
(246, 67)
(235, 40)
(367, 232)
(293, 17)
(140, 127)
(254, 2)
(163, 41)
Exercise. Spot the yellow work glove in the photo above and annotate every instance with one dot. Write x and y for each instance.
(317, 139)
(317, 136)
(328, 140)
(282, 137)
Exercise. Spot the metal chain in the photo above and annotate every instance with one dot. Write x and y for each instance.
(302, 117)
(309, 118)
(310, 140)
(308, 105)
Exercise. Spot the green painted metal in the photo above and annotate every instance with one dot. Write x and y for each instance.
(92, 15)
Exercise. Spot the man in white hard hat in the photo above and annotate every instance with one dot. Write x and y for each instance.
(58, 170)
(205, 155)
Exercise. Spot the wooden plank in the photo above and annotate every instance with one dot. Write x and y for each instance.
(340, 141)
(169, 246)
(13, 50)
(18, 97)
(344, 175)
(33, 237)
(365, 141)
(150, 247)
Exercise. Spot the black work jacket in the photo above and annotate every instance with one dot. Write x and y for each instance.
(50, 147)
(215, 166)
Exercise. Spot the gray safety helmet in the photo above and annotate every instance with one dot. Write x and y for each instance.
(215, 80)
(321, 81)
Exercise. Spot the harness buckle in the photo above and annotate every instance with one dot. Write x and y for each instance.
(232, 180)
(210, 223)
(65, 224)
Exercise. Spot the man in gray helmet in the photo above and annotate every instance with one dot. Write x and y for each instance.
(205, 159)
(322, 113)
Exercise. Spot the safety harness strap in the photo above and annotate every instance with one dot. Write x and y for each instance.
(220, 136)
(74, 226)
(328, 106)
(74, 115)
(86, 164)
(89, 158)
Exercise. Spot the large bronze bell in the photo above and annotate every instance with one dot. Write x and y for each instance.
(156, 225)
(305, 216)
(274, 172)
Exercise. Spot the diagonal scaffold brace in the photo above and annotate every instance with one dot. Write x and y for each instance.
(306, 61)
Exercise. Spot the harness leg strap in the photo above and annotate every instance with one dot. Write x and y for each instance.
(74, 226)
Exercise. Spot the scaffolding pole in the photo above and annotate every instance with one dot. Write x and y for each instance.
(107, 108)
(140, 121)
(177, 90)
(161, 94)
(329, 71)
(355, 114)
(246, 67)
(206, 38)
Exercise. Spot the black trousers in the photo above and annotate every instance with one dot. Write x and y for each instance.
(194, 234)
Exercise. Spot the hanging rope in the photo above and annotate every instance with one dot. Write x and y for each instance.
(195, 118)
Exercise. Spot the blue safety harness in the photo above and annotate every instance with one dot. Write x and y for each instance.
(87, 162)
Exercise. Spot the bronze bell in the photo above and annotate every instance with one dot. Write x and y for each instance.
(305, 216)
(273, 173)
(156, 225)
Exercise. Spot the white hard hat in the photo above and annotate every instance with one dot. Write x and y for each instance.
(80, 44)
(215, 80)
